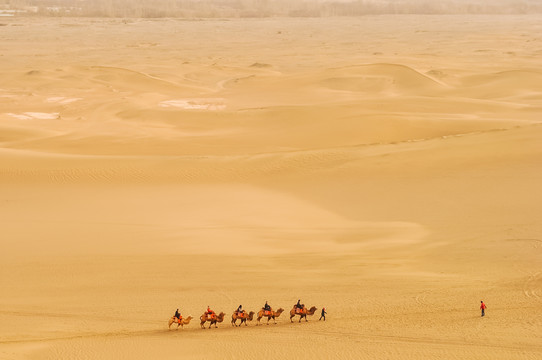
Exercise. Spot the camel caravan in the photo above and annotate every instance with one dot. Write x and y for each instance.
(243, 316)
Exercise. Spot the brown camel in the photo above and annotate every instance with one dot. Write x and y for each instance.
(303, 313)
(212, 318)
(242, 316)
(181, 323)
(269, 315)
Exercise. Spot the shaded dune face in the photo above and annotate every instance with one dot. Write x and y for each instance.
(384, 168)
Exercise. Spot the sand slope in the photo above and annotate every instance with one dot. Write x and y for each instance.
(381, 167)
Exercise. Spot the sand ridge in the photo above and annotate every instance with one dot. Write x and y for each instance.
(385, 167)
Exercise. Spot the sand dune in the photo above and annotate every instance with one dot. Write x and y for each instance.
(386, 168)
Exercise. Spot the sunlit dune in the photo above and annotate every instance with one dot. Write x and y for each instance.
(387, 168)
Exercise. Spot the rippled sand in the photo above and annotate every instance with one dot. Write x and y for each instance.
(387, 168)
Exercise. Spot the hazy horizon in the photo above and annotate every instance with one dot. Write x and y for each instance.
(261, 8)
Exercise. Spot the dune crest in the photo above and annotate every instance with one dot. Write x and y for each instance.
(385, 168)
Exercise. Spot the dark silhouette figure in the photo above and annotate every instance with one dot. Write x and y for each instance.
(323, 314)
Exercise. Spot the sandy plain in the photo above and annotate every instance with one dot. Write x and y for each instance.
(385, 167)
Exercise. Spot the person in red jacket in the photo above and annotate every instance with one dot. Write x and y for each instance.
(209, 313)
(483, 307)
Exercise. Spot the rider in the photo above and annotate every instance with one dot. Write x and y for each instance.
(240, 310)
(266, 307)
(209, 311)
(177, 315)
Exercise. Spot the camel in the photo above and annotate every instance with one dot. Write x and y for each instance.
(213, 319)
(243, 317)
(303, 313)
(271, 314)
(181, 323)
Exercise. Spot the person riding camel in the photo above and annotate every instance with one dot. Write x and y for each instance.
(240, 310)
(266, 307)
(299, 306)
(177, 316)
(209, 312)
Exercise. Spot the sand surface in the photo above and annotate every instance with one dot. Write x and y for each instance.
(388, 168)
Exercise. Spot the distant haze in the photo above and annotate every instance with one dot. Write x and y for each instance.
(261, 8)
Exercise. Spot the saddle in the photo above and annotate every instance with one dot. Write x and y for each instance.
(267, 312)
(299, 311)
(211, 317)
(241, 315)
(179, 319)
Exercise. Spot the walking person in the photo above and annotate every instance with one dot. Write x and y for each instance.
(323, 314)
(483, 307)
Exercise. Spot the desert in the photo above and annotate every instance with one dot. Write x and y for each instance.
(385, 167)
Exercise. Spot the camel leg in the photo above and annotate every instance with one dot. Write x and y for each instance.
(291, 317)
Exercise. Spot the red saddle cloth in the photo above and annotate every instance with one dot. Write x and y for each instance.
(299, 311)
(178, 320)
(267, 313)
(241, 315)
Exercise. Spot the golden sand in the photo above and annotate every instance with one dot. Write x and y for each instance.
(387, 168)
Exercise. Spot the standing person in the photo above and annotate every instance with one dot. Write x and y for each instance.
(323, 314)
(483, 307)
